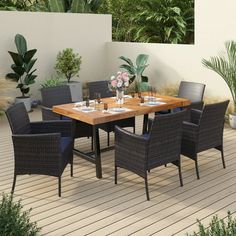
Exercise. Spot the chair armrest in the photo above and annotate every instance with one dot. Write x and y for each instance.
(196, 105)
(130, 149)
(48, 114)
(65, 128)
(150, 121)
(33, 149)
(195, 116)
(190, 131)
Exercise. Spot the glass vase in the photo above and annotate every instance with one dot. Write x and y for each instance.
(120, 97)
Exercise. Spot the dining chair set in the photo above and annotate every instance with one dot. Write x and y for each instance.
(46, 147)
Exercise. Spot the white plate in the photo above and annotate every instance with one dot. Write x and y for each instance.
(118, 109)
(152, 103)
(86, 109)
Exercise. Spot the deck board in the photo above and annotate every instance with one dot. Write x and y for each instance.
(89, 206)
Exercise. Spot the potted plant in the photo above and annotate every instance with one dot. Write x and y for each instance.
(138, 81)
(226, 68)
(23, 72)
(68, 65)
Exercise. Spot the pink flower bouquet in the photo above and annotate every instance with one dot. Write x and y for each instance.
(120, 81)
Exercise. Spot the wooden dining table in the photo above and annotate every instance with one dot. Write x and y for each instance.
(96, 116)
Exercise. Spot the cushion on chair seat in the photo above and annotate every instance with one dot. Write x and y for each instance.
(65, 142)
(146, 136)
(66, 118)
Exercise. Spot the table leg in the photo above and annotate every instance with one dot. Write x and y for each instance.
(145, 123)
(97, 152)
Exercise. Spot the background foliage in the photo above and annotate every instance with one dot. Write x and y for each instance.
(154, 21)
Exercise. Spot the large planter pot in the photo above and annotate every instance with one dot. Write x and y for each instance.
(26, 101)
(76, 91)
(232, 120)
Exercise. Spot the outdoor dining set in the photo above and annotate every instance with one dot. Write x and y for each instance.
(181, 125)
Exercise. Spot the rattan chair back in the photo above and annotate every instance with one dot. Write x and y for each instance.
(18, 119)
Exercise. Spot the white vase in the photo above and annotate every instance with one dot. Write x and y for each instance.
(232, 121)
(120, 96)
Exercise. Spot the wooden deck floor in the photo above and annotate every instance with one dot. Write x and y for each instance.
(89, 206)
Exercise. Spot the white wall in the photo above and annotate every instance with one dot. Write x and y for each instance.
(88, 34)
(52, 32)
(215, 23)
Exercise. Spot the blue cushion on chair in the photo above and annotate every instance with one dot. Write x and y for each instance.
(177, 109)
(65, 142)
(66, 118)
(146, 136)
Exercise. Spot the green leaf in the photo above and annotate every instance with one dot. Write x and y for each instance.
(30, 79)
(77, 6)
(127, 60)
(17, 58)
(29, 66)
(29, 55)
(13, 76)
(140, 69)
(129, 69)
(141, 60)
(56, 5)
(18, 70)
(25, 90)
(21, 44)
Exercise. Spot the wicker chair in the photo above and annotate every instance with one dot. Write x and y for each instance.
(40, 147)
(192, 91)
(204, 131)
(102, 88)
(57, 96)
(162, 145)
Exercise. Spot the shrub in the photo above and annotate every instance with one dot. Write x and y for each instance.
(14, 221)
(217, 227)
(68, 63)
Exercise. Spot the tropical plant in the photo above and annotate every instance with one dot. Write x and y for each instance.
(75, 6)
(121, 11)
(217, 227)
(157, 21)
(52, 82)
(68, 63)
(136, 70)
(23, 72)
(16, 5)
(161, 21)
(225, 66)
(14, 221)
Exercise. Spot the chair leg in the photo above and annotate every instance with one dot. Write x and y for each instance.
(59, 186)
(222, 156)
(71, 169)
(14, 184)
(134, 130)
(92, 143)
(146, 187)
(180, 175)
(108, 139)
(196, 166)
(115, 174)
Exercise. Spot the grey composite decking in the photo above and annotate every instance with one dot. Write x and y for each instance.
(89, 206)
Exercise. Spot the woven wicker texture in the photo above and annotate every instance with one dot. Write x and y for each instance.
(205, 130)
(43, 148)
(161, 146)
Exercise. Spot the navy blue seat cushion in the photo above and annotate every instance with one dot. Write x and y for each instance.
(66, 118)
(146, 136)
(65, 142)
